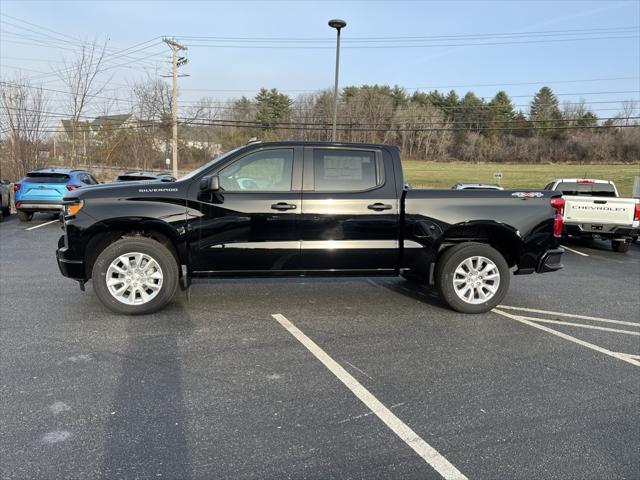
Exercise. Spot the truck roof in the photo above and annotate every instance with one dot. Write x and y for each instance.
(293, 143)
(57, 170)
(580, 180)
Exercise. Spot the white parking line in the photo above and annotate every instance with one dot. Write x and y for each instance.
(422, 448)
(620, 356)
(581, 325)
(42, 224)
(575, 251)
(569, 315)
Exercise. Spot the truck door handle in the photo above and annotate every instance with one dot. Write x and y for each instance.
(378, 207)
(282, 206)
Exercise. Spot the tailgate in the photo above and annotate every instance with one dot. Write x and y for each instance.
(44, 186)
(43, 191)
(599, 210)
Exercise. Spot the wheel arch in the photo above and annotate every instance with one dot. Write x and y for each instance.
(502, 237)
(108, 232)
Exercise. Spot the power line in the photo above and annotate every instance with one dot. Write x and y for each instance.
(298, 47)
(300, 123)
(433, 87)
(62, 36)
(601, 30)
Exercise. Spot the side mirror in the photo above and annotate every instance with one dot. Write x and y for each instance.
(210, 183)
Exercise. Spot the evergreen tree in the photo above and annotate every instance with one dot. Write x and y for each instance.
(272, 107)
(501, 112)
(473, 112)
(545, 111)
(589, 119)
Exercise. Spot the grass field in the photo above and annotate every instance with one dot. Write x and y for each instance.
(444, 175)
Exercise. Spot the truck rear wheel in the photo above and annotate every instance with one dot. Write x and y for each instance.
(620, 245)
(135, 276)
(472, 277)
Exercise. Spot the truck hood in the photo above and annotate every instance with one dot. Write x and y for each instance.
(126, 189)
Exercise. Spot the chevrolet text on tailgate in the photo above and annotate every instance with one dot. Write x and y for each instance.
(302, 208)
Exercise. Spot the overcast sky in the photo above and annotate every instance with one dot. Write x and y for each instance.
(219, 68)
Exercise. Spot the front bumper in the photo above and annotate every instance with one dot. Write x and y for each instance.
(551, 261)
(69, 267)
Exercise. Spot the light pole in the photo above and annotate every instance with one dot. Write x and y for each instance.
(338, 25)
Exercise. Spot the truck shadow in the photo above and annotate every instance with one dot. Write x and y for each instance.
(145, 436)
(589, 243)
(413, 290)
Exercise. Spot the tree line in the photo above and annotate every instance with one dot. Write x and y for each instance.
(440, 126)
(434, 125)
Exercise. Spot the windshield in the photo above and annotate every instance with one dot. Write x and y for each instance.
(207, 165)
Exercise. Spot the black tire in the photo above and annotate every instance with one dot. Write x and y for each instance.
(620, 246)
(25, 216)
(445, 274)
(153, 249)
(6, 212)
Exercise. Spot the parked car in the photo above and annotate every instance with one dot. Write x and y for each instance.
(593, 209)
(476, 186)
(310, 208)
(5, 200)
(43, 189)
(149, 176)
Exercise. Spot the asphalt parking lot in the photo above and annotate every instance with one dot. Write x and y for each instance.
(279, 378)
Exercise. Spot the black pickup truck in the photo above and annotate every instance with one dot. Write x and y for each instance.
(304, 208)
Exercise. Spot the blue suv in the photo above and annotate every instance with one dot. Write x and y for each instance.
(42, 189)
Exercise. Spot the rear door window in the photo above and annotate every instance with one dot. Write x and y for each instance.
(37, 177)
(346, 170)
(603, 190)
(587, 189)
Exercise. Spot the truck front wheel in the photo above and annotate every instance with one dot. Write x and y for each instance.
(472, 277)
(135, 275)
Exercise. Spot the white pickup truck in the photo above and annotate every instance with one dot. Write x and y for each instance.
(594, 209)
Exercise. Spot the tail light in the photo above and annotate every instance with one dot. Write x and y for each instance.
(585, 181)
(558, 222)
(558, 204)
(18, 204)
(72, 187)
(558, 225)
(16, 187)
(636, 212)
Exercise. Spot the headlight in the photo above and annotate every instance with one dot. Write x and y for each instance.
(72, 209)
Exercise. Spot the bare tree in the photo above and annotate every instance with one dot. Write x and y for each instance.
(574, 111)
(629, 107)
(24, 120)
(80, 76)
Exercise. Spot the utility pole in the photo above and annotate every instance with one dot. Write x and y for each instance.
(176, 62)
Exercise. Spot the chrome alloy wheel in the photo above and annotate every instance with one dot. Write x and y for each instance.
(476, 280)
(134, 278)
